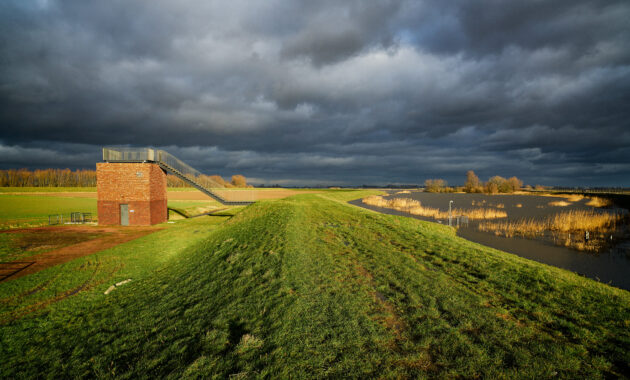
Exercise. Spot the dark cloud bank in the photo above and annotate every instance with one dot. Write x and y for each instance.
(327, 92)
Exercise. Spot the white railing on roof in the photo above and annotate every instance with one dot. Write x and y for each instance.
(155, 155)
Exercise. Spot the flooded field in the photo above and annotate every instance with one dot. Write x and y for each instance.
(584, 235)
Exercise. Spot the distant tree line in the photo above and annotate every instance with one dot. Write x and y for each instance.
(47, 178)
(87, 178)
(494, 185)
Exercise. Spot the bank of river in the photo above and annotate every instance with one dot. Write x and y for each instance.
(611, 266)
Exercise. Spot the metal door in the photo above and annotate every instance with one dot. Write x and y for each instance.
(124, 215)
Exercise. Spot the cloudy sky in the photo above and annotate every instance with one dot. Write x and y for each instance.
(323, 92)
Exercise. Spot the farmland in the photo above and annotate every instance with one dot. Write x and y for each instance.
(33, 210)
(31, 206)
(309, 286)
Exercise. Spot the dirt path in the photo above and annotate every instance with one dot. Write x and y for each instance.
(112, 236)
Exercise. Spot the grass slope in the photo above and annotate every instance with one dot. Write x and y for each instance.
(311, 287)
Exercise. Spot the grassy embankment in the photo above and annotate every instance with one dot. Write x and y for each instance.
(311, 287)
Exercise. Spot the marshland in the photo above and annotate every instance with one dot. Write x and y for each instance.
(585, 234)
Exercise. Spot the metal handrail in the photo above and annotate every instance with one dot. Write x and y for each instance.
(170, 163)
(155, 155)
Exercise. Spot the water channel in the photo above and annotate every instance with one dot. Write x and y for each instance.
(612, 266)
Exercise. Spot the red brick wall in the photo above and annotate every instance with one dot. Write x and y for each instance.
(140, 185)
(159, 211)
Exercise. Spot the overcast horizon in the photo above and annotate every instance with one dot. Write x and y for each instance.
(302, 93)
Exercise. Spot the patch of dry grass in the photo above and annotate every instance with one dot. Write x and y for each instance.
(559, 203)
(519, 205)
(575, 198)
(404, 192)
(414, 207)
(599, 202)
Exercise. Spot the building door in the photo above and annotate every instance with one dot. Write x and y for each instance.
(124, 215)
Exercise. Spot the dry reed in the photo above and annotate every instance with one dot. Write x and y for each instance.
(404, 192)
(570, 221)
(560, 226)
(414, 207)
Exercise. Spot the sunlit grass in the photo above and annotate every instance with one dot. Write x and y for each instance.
(33, 210)
(310, 287)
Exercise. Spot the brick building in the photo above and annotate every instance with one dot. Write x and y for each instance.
(131, 194)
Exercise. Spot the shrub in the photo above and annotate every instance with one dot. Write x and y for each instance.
(239, 181)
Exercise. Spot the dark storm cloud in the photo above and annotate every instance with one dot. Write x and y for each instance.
(323, 92)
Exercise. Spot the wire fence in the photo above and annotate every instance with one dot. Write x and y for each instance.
(72, 218)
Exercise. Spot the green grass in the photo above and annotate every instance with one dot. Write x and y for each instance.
(33, 210)
(186, 209)
(311, 287)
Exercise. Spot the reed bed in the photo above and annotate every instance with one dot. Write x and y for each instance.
(404, 192)
(565, 228)
(414, 207)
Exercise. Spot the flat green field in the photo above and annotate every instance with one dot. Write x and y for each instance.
(311, 287)
(33, 210)
(17, 211)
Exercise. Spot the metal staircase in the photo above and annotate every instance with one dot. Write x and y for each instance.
(169, 164)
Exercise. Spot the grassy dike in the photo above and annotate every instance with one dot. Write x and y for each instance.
(312, 287)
